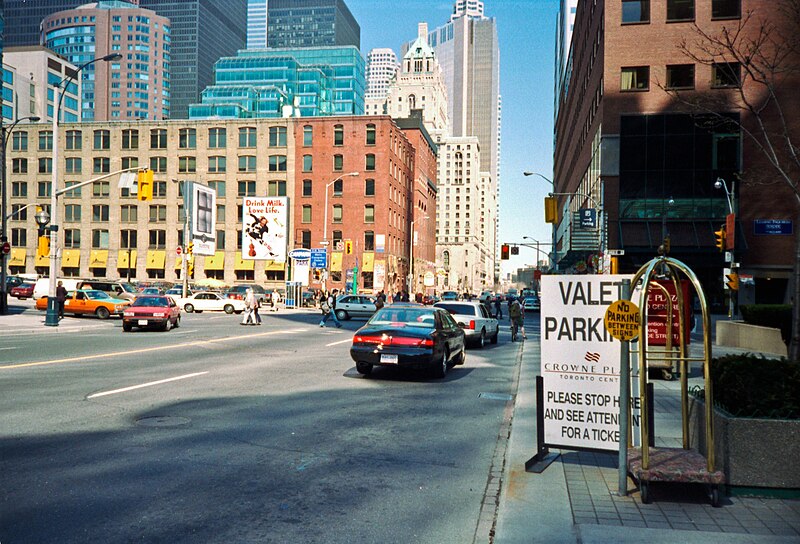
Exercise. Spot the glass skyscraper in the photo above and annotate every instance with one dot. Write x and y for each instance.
(311, 23)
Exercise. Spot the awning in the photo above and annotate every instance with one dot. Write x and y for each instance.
(42, 260)
(71, 258)
(98, 258)
(17, 257)
(241, 264)
(215, 261)
(156, 259)
(336, 261)
(273, 266)
(122, 258)
(368, 260)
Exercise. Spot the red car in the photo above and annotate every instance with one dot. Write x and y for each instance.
(151, 311)
(22, 291)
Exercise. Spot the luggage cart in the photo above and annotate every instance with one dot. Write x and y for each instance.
(684, 465)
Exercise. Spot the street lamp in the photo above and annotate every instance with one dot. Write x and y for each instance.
(51, 319)
(325, 226)
(720, 184)
(538, 243)
(3, 187)
(554, 249)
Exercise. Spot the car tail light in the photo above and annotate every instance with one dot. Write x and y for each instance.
(472, 324)
(411, 342)
(363, 339)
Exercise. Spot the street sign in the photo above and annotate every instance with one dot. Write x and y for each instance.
(319, 258)
(615, 252)
(622, 320)
(588, 218)
(780, 227)
(6, 248)
(178, 250)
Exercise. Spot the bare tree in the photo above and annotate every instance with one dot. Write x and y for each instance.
(761, 51)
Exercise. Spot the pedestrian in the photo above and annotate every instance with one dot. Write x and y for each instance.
(61, 298)
(329, 310)
(256, 306)
(515, 315)
(498, 308)
(404, 296)
(248, 318)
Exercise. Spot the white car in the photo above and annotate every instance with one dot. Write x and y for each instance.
(206, 301)
(477, 323)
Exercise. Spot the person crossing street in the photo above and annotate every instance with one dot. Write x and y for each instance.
(329, 310)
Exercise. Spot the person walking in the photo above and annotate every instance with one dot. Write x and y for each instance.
(256, 306)
(329, 310)
(61, 298)
(498, 308)
(515, 315)
(249, 299)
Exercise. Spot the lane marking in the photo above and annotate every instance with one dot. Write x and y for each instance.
(193, 343)
(148, 384)
(12, 347)
(339, 342)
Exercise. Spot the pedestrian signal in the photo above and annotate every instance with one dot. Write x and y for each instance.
(732, 281)
(504, 251)
(145, 185)
(720, 239)
(348, 247)
(551, 209)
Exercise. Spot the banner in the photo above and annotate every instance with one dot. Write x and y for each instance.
(203, 206)
(264, 228)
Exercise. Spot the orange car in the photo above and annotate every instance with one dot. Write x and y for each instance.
(89, 302)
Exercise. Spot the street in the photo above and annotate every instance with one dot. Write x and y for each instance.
(214, 432)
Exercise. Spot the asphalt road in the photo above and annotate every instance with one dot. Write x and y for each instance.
(214, 432)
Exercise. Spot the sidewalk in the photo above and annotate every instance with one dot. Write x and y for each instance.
(24, 318)
(575, 500)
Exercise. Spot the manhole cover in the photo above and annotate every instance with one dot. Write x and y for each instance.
(495, 396)
(163, 421)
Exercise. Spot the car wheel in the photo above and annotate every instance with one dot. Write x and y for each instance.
(228, 308)
(167, 325)
(341, 315)
(364, 368)
(462, 357)
(482, 339)
(127, 327)
(189, 308)
(494, 336)
(177, 322)
(440, 371)
(102, 313)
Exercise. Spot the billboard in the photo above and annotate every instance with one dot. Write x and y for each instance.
(264, 228)
(203, 206)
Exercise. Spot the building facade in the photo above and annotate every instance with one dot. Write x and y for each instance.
(311, 23)
(382, 68)
(628, 145)
(135, 87)
(467, 8)
(256, 24)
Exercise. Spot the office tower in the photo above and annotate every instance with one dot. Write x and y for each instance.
(203, 31)
(135, 87)
(303, 82)
(564, 28)
(311, 23)
(467, 8)
(381, 70)
(256, 24)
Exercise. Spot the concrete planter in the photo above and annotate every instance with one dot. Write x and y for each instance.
(737, 334)
(751, 452)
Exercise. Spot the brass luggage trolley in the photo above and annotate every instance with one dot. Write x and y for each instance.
(684, 464)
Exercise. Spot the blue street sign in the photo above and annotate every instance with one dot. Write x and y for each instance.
(781, 227)
(588, 218)
(319, 258)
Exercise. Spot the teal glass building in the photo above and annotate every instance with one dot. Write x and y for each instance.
(307, 82)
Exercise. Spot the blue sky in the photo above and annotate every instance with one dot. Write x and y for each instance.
(526, 32)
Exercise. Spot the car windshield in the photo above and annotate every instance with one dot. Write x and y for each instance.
(454, 308)
(151, 301)
(404, 317)
(94, 294)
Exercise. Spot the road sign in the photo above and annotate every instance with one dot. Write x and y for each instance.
(622, 320)
(588, 217)
(178, 250)
(6, 248)
(615, 252)
(319, 258)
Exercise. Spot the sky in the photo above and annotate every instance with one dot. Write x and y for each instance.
(526, 34)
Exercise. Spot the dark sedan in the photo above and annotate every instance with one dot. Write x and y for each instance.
(152, 311)
(409, 336)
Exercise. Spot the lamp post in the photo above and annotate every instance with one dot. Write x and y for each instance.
(4, 132)
(730, 195)
(553, 247)
(51, 319)
(325, 226)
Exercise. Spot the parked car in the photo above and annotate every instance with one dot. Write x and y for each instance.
(152, 311)
(114, 288)
(211, 302)
(238, 292)
(531, 304)
(349, 306)
(89, 302)
(150, 291)
(449, 295)
(409, 336)
(477, 322)
(13, 281)
(23, 290)
(177, 291)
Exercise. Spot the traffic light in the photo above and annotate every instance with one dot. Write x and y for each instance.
(190, 248)
(43, 248)
(348, 247)
(720, 238)
(732, 281)
(551, 209)
(504, 251)
(145, 185)
(190, 268)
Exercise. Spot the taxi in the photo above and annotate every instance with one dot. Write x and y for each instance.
(89, 302)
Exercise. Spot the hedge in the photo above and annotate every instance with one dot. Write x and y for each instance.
(754, 386)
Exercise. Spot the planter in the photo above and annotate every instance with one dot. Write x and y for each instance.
(751, 452)
(737, 334)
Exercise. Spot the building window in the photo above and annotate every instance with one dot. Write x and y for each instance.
(338, 163)
(127, 239)
(19, 141)
(220, 240)
(306, 213)
(220, 213)
(101, 165)
(219, 187)
(101, 189)
(635, 11)
(187, 165)
(46, 140)
(680, 76)
(130, 139)
(369, 163)
(247, 163)
(130, 162)
(337, 240)
(157, 239)
(337, 213)
(45, 165)
(102, 139)
(158, 164)
(725, 74)
(246, 188)
(370, 134)
(369, 213)
(635, 78)
(305, 237)
(308, 163)
(307, 187)
(216, 165)
(247, 137)
(680, 10)
(19, 237)
(369, 187)
(72, 213)
(100, 213)
(308, 135)
(277, 163)
(187, 138)
(160, 189)
(72, 238)
(74, 140)
(129, 213)
(158, 138)
(338, 187)
(276, 188)
(277, 136)
(369, 240)
(338, 135)
(19, 166)
(158, 213)
(19, 189)
(19, 212)
(74, 193)
(726, 9)
(43, 189)
(74, 165)
(216, 138)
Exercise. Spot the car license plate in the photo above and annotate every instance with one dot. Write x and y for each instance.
(142, 322)
(388, 359)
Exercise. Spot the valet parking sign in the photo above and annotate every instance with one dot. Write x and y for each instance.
(580, 362)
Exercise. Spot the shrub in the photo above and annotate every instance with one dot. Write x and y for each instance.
(777, 316)
(754, 386)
